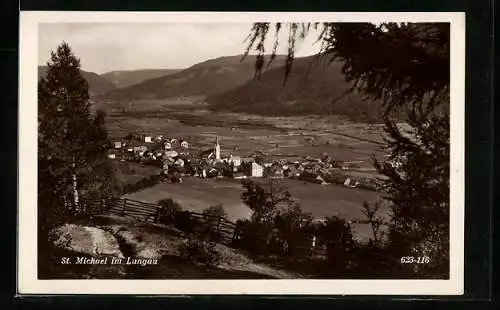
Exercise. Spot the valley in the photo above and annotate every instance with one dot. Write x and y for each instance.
(276, 138)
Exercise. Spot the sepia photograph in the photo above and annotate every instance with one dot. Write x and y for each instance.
(320, 147)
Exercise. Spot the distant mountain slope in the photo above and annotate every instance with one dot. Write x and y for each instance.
(125, 78)
(205, 78)
(97, 84)
(313, 87)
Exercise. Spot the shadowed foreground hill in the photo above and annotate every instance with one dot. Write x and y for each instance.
(125, 78)
(313, 87)
(97, 84)
(205, 78)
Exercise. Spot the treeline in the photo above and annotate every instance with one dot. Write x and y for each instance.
(145, 182)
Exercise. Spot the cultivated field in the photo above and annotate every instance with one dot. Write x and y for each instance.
(242, 134)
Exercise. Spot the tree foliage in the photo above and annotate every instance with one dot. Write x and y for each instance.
(71, 141)
(264, 201)
(406, 66)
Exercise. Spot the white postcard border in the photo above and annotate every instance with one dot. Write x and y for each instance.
(27, 219)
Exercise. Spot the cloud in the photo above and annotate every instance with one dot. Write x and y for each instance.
(114, 46)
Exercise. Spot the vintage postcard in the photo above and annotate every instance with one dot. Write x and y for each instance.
(241, 153)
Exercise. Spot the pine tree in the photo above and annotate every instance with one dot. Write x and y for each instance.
(71, 142)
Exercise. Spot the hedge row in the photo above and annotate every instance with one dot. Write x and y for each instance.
(141, 184)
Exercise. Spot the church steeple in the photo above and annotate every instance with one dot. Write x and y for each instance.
(217, 148)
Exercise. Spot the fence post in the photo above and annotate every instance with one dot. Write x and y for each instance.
(157, 215)
(218, 228)
(124, 205)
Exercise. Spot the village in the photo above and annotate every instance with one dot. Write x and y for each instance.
(177, 160)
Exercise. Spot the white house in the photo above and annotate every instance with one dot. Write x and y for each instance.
(236, 161)
(256, 170)
(147, 139)
(347, 182)
(184, 144)
(112, 156)
(118, 145)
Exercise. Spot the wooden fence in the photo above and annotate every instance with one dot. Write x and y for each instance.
(224, 229)
(150, 212)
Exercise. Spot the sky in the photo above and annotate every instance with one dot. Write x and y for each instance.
(129, 46)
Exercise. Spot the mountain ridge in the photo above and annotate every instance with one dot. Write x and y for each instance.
(205, 78)
(97, 84)
(126, 78)
(314, 86)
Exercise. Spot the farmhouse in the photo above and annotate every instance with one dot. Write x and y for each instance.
(256, 170)
(148, 139)
(184, 144)
(347, 182)
(235, 160)
(118, 145)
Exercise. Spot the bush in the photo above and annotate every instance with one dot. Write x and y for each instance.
(336, 234)
(142, 183)
(168, 211)
(185, 222)
(199, 251)
(212, 217)
(335, 177)
(254, 237)
(216, 211)
(293, 227)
